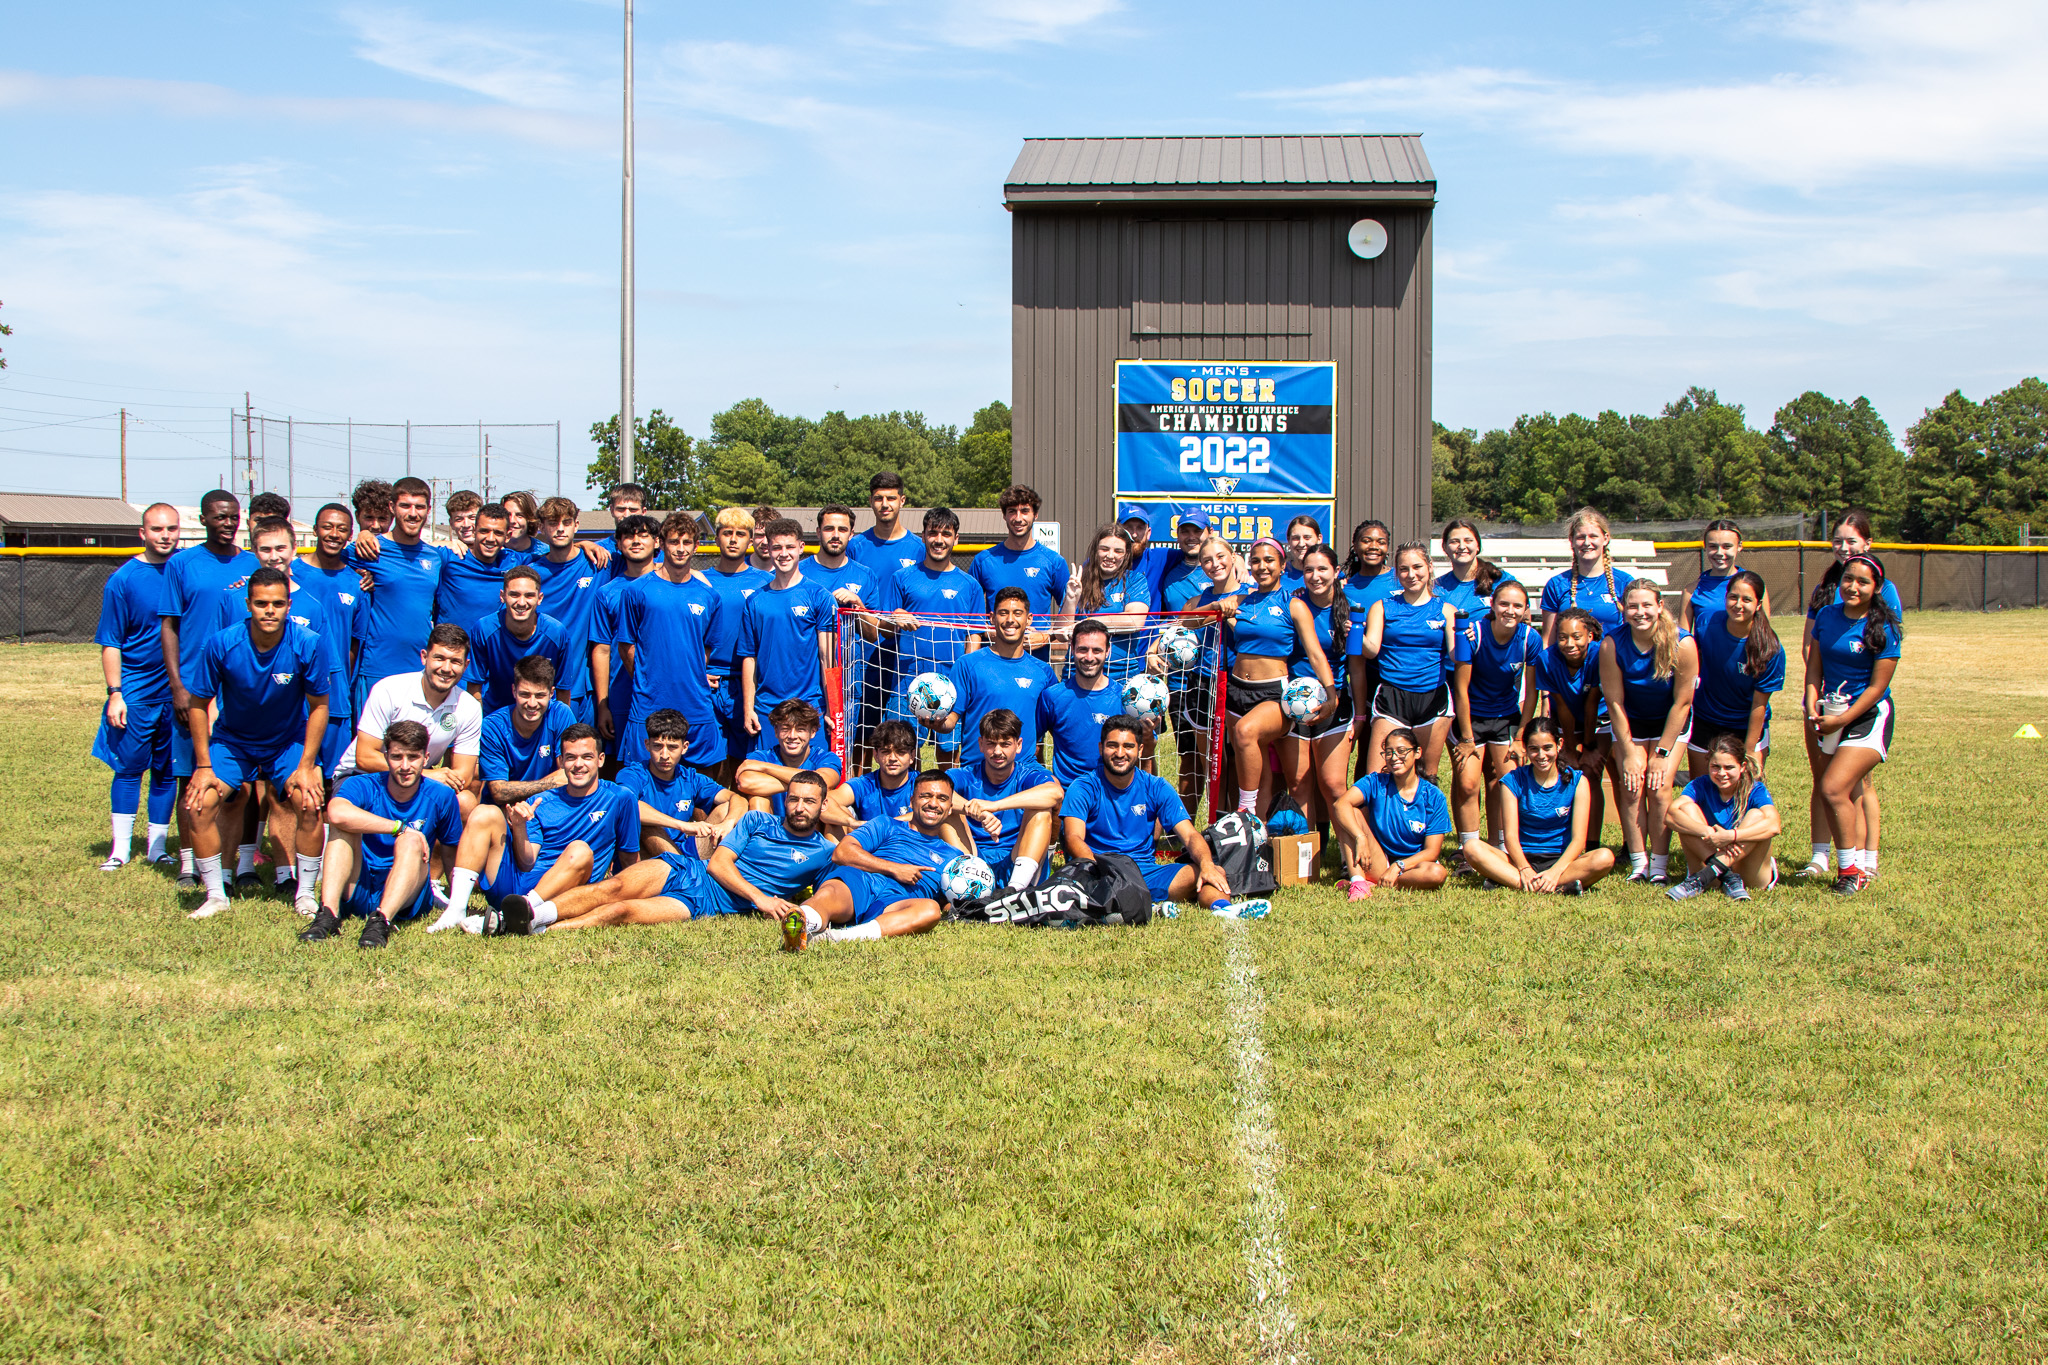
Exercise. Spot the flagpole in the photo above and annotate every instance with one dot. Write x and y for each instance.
(626, 441)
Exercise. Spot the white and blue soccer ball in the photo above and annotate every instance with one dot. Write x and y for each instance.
(967, 878)
(931, 696)
(1302, 698)
(1145, 696)
(1180, 646)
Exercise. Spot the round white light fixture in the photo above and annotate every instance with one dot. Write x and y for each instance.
(1367, 239)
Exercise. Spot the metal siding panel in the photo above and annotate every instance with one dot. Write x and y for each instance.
(1421, 304)
(1232, 279)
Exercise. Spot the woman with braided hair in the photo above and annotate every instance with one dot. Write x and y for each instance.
(1592, 583)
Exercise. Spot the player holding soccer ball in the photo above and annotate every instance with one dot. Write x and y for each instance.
(887, 878)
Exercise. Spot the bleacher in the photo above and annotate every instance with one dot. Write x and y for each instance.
(1535, 562)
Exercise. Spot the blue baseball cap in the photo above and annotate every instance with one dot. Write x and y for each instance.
(1200, 519)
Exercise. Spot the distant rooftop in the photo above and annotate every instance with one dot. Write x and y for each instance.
(1350, 166)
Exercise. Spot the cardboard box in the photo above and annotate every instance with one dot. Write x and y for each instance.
(1297, 858)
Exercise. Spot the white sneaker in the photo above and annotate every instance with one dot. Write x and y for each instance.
(210, 907)
(113, 864)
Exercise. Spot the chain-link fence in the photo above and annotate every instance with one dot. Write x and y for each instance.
(1928, 578)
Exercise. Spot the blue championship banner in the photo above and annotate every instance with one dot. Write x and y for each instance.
(1226, 429)
(1240, 523)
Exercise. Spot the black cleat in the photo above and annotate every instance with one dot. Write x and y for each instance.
(1571, 888)
(515, 916)
(376, 932)
(188, 881)
(248, 884)
(287, 890)
(326, 924)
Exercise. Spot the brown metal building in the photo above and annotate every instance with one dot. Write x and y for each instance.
(1220, 248)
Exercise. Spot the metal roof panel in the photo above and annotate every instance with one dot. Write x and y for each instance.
(1349, 160)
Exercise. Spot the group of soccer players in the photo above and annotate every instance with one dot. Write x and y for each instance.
(609, 731)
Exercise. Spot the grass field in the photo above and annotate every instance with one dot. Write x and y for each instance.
(1494, 1128)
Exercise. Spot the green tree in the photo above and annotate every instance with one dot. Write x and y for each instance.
(1824, 453)
(665, 460)
(5, 331)
(985, 458)
(742, 475)
(1977, 470)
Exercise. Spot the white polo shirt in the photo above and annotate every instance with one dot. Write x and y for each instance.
(457, 723)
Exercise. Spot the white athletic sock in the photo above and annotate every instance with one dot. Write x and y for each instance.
(1660, 863)
(852, 932)
(185, 861)
(309, 874)
(1248, 800)
(543, 914)
(1820, 854)
(210, 877)
(245, 860)
(159, 839)
(1023, 871)
(1852, 860)
(1465, 838)
(124, 837)
(461, 882)
(1870, 860)
(283, 873)
(1639, 862)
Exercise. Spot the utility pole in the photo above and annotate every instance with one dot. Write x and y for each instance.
(408, 447)
(124, 457)
(482, 443)
(487, 469)
(349, 467)
(291, 475)
(626, 442)
(249, 442)
(558, 457)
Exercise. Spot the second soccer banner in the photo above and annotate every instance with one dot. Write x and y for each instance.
(1210, 429)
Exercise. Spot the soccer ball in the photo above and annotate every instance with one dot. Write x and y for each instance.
(931, 696)
(1181, 647)
(1302, 698)
(1145, 697)
(966, 878)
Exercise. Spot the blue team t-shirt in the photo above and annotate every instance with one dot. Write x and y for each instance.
(1412, 644)
(494, 650)
(1361, 590)
(1264, 628)
(604, 630)
(129, 622)
(984, 681)
(873, 801)
(330, 601)
(392, 623)
(262, 692)
(1465, 595)
(686, 795)
(569, 592)
(971, 782)
(1646, 697)
(1300, 665)
(1846, 662)
(779, 630)
(883, 558)
(898, 841)
(1497, 669)
(1543, 815)
(505, 755)
(1127, 649)
(772, 860)
(1042, 575)
(951, 595)
(1889, 592)
(198, 586)
(1719, 810)
(851, 573)
(1074, 719)
(733, 590)
(1401, 824)
(1567, 684)
(607, 819)
(819, 758)
(1725, 688)
(1708, 594)
(432, 811)
(471, 587)
(1567, 590)
(669, 626)
(1120, 819)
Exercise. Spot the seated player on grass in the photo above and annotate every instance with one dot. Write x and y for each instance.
(763, 863)
(1726, 821)
(1545, 811)
(519, 743)
(532, 851)
(384, 828)
(515, 631)
(433, 696)
(681, 810)
(270, 678)
(1395, 822)
(884, 792)
(1007, 802)
(799, 747)
(886, 879)
(1115, 809)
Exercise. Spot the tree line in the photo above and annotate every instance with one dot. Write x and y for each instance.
(1970, 474)
(757, 455)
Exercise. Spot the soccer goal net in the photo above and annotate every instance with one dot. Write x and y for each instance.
(1167, 670)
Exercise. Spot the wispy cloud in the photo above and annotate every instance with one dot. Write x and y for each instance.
(526, 71)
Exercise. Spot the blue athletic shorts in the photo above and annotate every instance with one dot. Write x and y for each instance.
(234, 765)
(181, 748)
(1007, 864)
(870, 892)
(690, 881)
(367, 895)
(1159, 877)
(341, 732)
(140, 746)
(510, 881)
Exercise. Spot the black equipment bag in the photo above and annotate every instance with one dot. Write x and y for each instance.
(1245, 859)
(1104, 890)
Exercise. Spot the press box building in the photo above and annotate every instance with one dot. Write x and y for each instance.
(1217, 257)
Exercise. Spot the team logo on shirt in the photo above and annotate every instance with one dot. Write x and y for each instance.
(597, 815)
(1138, 809)
(1031, 571)
(1855, 646)
(583, 582)
(1417, 826)
(347, 599)
(281, 679)
(1024, 683)
(546, 749)
(801, 610)
(796, 855)
(696, 608)
(446, 720)
(745, 593)
(1098, 716)
(949, 593)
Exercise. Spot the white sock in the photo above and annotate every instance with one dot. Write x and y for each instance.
(185, 861)
(124, 836)
(1660, 863)
(1639, 862)
(813, 921)
(1870, 860)
(283, 873)
(159, 839)
(1466, 838)
(1023, 872)
(1248, 800)
(852, 932)
(1820, 854)
(245, 860)
(543, 915)
(461, 881)
(309, 874)
(1852, 860)
(210, 877)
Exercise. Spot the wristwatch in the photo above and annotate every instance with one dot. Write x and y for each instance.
(1663, 752)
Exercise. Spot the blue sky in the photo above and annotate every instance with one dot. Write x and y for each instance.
(411, 211)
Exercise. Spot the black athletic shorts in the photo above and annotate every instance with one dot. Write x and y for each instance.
(1412, 709)
(1705, 732)
(1494, 729)
(1240, 697)
(1336, 723)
